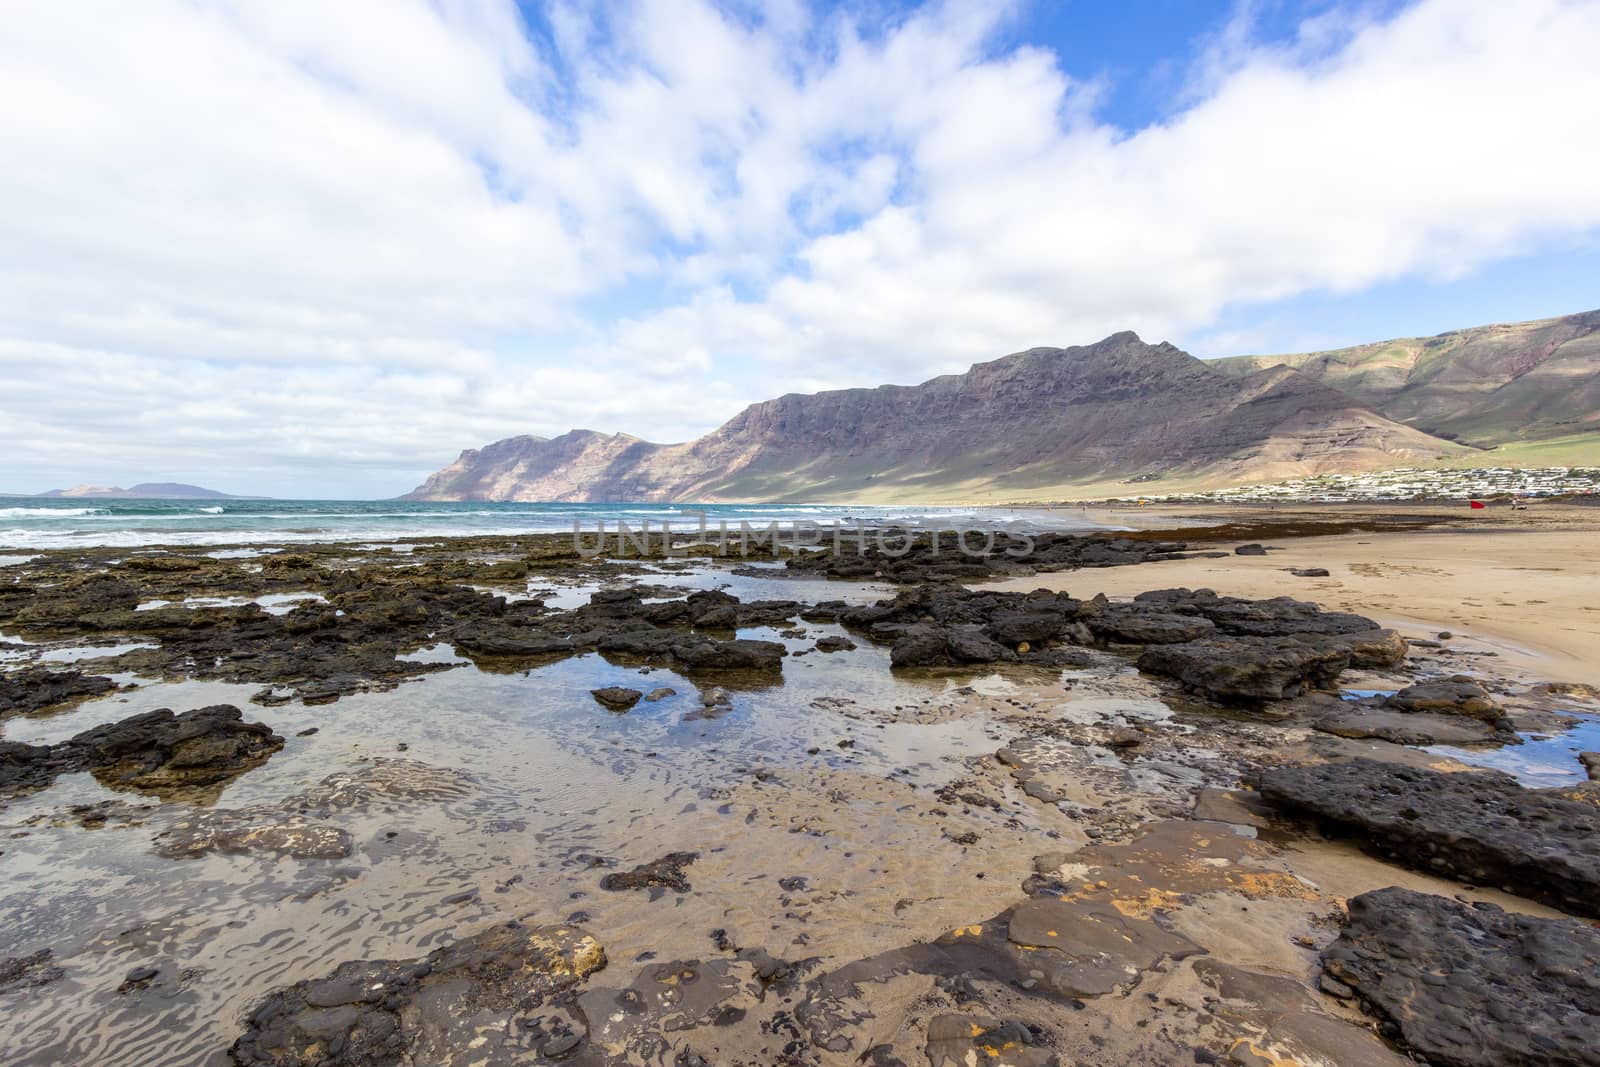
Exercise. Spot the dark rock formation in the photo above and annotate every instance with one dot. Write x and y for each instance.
(160, 751)
(1250, 669)
(908, 557)
(1265, 649)
(1228, 648)
(36, 688)
(157, 752)
(1480, 827)
(1470, 985)
(1140, 625)
(1453, 711)
(448, 1008)
(1403, 728)
(1458, 695)
(663, 873)
(28, 972)
(616, 697)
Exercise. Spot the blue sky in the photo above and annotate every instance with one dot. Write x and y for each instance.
(302, 250)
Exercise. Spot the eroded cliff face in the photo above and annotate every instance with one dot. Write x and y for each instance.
(1113, 410)
(1489, 385)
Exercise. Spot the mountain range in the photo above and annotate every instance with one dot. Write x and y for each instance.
(1100, 419)
(142, 491)
(1488, 386)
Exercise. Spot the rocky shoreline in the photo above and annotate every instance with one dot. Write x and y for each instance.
(1122, 834)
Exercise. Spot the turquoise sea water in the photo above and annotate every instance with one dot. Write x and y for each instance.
(32, 523)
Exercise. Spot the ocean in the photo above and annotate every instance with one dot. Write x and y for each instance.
(32, 523)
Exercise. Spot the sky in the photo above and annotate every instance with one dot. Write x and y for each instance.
(315, 250)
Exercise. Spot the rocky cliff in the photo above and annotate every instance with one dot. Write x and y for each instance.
(1487, 386)
(1110, 412)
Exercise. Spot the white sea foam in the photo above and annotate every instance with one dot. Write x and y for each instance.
(49, 513)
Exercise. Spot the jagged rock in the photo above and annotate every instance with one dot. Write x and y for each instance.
(1274, 617)
(160, 751)
(696, 652)
(1145, 627)
(1591, 763)
(26, 767)
(919, 646)
(1251, 669)
(1030, 624)
(1480, 827)
(1470, 985)
(719, 617)
(934, 646)
(28, 972)
(616, 697)
(663, 873)
(835, 643)
(1376, 650)
(1452, 696)
(488, 640)
(157, 752)
(448, 1008)
(35, 688)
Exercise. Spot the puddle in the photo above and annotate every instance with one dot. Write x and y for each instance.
(1542, 760)
(271, 603)
(82, 652)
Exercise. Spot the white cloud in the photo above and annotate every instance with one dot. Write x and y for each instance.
(290, 237)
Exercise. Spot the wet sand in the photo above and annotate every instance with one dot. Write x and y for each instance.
(870, 828)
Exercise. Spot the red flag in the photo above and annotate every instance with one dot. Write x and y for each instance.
(1479, 504)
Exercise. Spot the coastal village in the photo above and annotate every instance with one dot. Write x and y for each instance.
(1404, 483)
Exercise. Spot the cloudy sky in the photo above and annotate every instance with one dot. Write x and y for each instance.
(314, 249)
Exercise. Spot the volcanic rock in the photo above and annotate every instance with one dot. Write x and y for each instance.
(35, 688)
(1470, 985)
(28, 972)
(1452, 696)
(1250, 669)
(663, 873)
(1411, 729)
(1480, 827)
(448, 1008)
(157, 752)
(616, 697)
